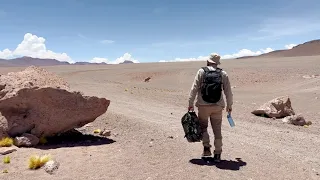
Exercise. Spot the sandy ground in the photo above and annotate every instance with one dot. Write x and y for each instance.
(148, 138)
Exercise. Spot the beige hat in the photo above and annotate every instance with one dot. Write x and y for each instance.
(214, 58)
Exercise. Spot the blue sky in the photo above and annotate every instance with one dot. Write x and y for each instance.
(153, 30)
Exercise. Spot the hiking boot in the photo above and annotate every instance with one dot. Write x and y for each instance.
(206, 151)
(217, 158)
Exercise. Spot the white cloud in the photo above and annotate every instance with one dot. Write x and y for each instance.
(200, 58)
(99, 60)
(126, 56)
(119, 60)
(35, 47)
(107, 41)
(246, 52)
(5, 54)
(241, 53)
(289, 46)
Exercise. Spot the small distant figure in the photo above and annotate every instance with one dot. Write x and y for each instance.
(147, 79)
(208, 85)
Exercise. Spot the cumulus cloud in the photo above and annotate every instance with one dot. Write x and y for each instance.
(241, 53)
(99, 60)
(125, 57)
(246, 52)
(289, 46)
(34, 46)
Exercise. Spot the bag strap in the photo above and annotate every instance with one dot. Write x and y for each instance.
(206, 69)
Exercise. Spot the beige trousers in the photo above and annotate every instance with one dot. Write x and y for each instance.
(214, 113)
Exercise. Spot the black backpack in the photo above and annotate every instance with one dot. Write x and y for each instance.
(211, 87)
(191, 127)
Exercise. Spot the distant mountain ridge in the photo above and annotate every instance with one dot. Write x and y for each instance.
(28, 61)
(310, 48)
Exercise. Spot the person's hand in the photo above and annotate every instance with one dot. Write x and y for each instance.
(229, 109)
(190, 108)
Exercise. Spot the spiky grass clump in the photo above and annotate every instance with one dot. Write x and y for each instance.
(6, 142)
(6, 159)
(36, 161)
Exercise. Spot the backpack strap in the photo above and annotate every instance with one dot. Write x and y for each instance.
(206, 69)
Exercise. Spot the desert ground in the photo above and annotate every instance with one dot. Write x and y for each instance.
(147, 137)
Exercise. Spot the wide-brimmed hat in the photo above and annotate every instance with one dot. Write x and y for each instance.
(214, 58)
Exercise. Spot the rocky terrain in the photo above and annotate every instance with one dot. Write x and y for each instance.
(145, 138)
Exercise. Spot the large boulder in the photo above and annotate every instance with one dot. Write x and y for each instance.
(279, 107)
(40, 103)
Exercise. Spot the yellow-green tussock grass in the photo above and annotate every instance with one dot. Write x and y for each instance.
(36, 161)
(97, 131)
(6, 142)
(6, 159)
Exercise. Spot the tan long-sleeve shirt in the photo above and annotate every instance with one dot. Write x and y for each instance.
(195, 90)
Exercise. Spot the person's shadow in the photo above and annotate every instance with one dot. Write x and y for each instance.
(224, 164)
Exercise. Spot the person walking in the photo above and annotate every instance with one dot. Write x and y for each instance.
(208, 85)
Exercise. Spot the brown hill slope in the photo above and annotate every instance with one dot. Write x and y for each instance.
(310, 48)
(28, 61)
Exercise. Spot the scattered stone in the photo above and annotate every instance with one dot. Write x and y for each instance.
(7, 150)
(147, 79)
(88, 125)
(170, 137)
(233, 87)
(51, 166)
(5, 171)
(26, 140)
(105, 133)
(310, 76)
(279, 107)
(297, 120)
(41, 103)
(307, 77)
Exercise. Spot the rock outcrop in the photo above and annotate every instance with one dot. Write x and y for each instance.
(40, 103)
(279, 107)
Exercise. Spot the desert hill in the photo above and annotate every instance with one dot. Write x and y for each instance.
(310, 48)
(29, 61)
(88, 63)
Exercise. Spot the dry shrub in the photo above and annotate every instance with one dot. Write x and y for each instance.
(36, 161)
(6, 142)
